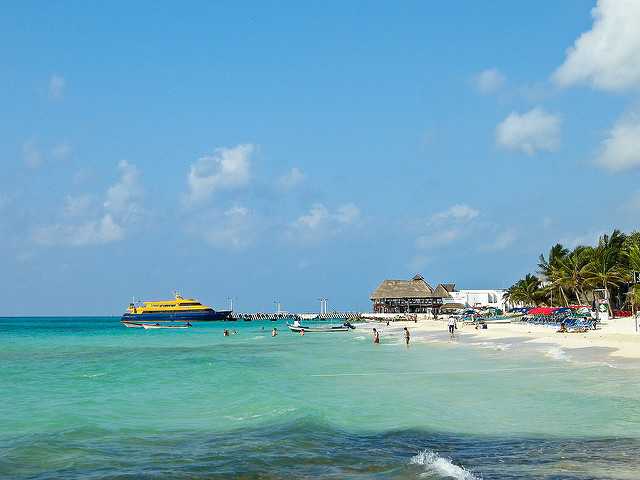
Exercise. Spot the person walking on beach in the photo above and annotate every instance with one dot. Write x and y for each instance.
(376, 338)
(406, 336)
(452, 325)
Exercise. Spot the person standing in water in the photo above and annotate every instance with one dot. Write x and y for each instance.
(452, 325)
(376, 338)
(406, 336)
(273, 334)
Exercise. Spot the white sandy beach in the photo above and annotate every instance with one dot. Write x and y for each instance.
(616, 338)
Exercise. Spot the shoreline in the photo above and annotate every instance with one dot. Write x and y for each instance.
(615, 340)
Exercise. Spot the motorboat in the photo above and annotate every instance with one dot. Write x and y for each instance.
(148, 326)
(297, 327)
(177, 310)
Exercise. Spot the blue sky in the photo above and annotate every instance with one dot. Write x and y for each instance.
(287, 151)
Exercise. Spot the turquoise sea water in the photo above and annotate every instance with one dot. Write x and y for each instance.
(89, 398)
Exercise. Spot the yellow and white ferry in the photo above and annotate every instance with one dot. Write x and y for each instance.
(177, 310)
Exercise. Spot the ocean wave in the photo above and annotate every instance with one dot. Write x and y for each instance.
(94, 375)
(249, 415)
(495, 346)
(436, 464)
(556, 353)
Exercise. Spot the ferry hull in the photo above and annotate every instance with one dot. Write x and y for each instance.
(210, 316)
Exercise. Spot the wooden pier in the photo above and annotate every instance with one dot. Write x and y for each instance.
(274, 317)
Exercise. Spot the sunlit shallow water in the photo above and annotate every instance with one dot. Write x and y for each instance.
(89, 398)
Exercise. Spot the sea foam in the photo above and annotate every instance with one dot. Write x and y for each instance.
(434, 463)
(556, 353)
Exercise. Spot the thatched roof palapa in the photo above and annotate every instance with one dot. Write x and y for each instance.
(415, 288)
(441, 292)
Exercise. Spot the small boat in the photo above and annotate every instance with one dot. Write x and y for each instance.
(132, 324)
(148, 326)
(296, 326)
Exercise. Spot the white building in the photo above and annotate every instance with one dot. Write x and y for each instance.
(479, 298)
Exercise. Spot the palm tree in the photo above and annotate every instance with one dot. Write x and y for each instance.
(632, 254)
(571, 273)
(632, 264)
(557, 253)
(605, 269)
(548, 270)
(616, 241)
(526, 291)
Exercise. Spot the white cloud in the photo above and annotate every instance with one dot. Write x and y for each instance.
(78, 206)
(55, 88)
(61, 151)
(534, 130)
(236, 229)
(504, 240)
(458, 211)
(34, 158)
(490, 81)
(447, 227)
(228, 237)
(606, 57)
(30, 153)
(230, 168)
(590, 238)
(85, 220)
(237, 210)
(317, 214)
(319, 223)
(89, 233)
(290, 180)
(419, 263)
(120, 198)
(439, 239)
(535, 92)
(347, 213)
(84, 175)
(621, 151)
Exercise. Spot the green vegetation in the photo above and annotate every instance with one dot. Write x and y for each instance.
(570, 277)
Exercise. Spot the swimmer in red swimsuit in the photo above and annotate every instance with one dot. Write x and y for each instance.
(376, 339)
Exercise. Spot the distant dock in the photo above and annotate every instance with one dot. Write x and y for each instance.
(274, 317)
